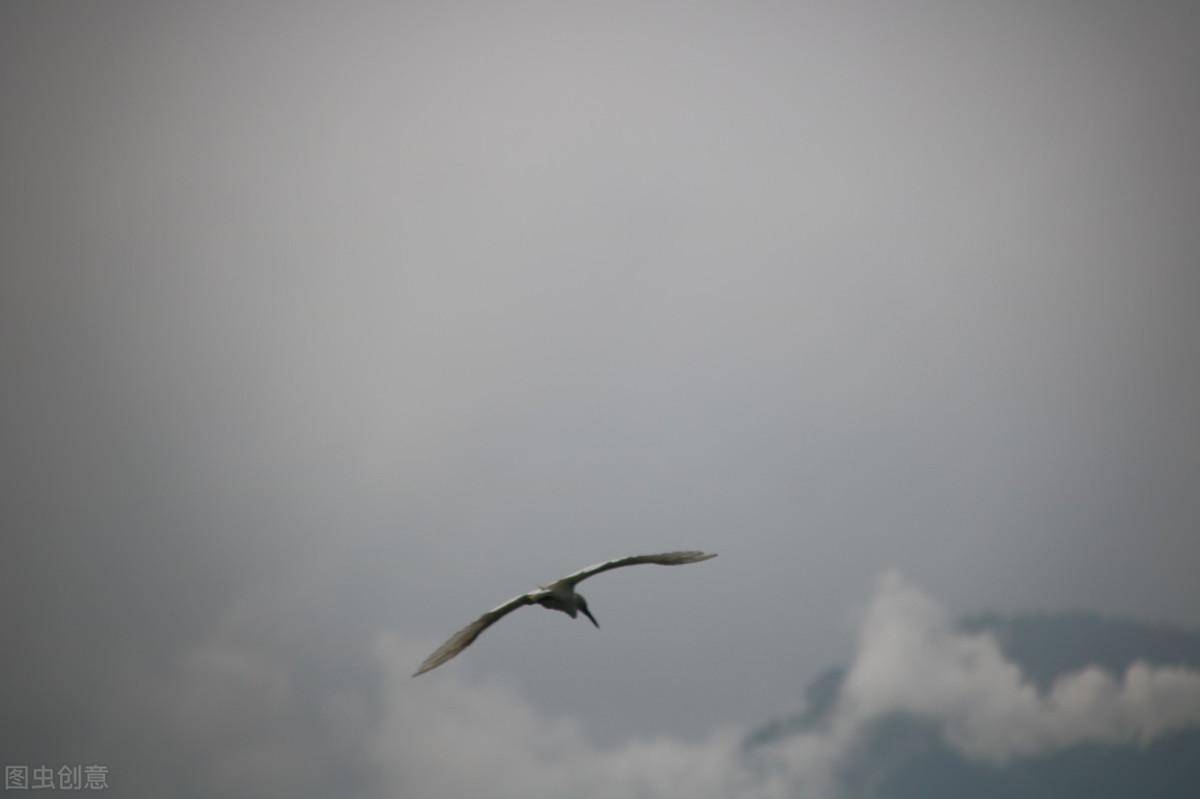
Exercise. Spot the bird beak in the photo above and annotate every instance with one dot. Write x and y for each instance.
(588, 613)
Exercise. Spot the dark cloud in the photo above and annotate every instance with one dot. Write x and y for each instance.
(318, 323)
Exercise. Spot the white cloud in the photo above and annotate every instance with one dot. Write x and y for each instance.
(444, 736)
(244, 713)
(911, 659)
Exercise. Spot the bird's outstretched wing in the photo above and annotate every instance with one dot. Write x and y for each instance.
(463, 638)
(662, 559)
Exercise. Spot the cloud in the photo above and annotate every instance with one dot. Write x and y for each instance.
(911, 659)
(251, 712)
(447, 736)
(331, 312)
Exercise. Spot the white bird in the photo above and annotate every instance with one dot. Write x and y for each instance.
(558, 595)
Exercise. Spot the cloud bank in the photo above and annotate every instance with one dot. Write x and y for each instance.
(446, 736)
(449, 737)
(253, 711)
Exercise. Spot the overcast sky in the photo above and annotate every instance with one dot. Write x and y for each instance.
(325, 327)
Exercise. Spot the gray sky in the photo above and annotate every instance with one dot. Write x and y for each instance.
(330, 325)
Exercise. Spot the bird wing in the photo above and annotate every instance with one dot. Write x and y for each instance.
(662, 559)
(463, 638)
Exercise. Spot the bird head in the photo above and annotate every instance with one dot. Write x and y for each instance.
(583, 607)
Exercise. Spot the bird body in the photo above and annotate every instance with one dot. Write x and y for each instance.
(559, 595)
(563, 598)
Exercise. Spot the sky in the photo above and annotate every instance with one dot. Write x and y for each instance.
(326, 327)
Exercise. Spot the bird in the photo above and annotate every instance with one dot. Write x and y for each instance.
(559, 595)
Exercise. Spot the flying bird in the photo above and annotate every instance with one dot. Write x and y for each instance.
(558, 595)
